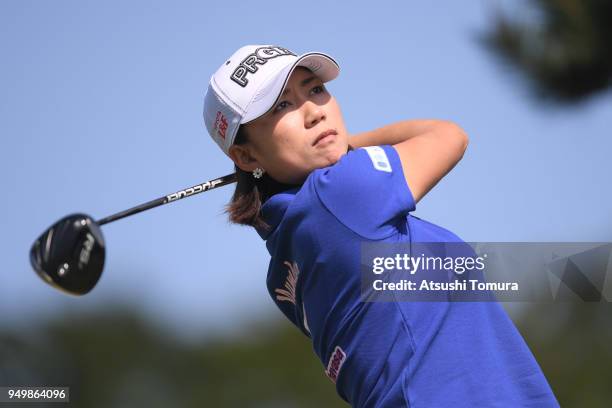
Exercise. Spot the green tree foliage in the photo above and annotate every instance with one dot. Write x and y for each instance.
(565, 52)
(573, 344)
(116, 359)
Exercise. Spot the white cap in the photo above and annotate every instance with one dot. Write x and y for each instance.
(249, 84)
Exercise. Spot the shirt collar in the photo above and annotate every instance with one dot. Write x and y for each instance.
(274, 210)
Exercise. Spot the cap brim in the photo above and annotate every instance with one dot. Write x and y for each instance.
(322, 65)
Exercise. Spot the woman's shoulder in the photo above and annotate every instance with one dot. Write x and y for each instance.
(365, 190)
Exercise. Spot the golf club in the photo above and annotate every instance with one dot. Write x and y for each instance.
(70, 254)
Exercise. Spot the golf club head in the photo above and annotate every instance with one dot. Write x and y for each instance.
(69, 255)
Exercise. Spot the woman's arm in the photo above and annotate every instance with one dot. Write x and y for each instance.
(428, 149)
(394, 133)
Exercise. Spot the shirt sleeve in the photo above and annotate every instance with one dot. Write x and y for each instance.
(366, 190)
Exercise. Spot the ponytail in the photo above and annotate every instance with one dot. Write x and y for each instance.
(245, 206)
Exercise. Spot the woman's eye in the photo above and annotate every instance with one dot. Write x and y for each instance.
(318, 89)
(281, 106)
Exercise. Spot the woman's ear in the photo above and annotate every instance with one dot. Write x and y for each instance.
(241, 156)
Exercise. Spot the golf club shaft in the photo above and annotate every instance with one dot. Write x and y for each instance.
(188, 192)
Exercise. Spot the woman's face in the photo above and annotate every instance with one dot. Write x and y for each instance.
(304, 131)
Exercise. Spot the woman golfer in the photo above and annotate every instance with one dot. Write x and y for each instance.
(315, 195)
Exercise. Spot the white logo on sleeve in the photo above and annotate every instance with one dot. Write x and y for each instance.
(379, 158)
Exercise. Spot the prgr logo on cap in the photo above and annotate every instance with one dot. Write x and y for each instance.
(335, 364)
(252, 61)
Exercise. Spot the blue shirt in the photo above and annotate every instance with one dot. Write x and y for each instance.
(386, 354)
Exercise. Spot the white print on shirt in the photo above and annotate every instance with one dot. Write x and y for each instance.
(335, 364)
(379, 158)
(305, 322)
(288, 294)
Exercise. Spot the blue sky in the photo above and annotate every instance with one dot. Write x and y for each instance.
(100, 110)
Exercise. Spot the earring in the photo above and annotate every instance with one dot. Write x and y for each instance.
(258, 173)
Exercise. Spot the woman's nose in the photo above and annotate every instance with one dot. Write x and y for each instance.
(314, 114)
